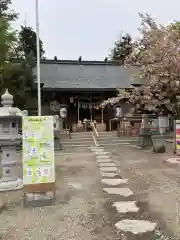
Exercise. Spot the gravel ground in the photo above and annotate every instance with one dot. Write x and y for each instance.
(155, 184)
(84, 212)
(79, 212)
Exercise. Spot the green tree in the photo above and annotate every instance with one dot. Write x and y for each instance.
(7, 41)
(17, 77)
(27, 43)
(122, 49)
(5, 12)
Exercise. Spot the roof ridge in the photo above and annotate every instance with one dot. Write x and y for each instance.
(76, 62)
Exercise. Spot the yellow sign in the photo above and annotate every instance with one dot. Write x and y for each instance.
(38, 150)
(178, 137)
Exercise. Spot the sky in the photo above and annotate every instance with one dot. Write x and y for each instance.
(88, 28)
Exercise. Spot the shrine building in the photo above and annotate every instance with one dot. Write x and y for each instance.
(82, 86)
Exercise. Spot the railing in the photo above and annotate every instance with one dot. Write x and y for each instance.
(95, 134)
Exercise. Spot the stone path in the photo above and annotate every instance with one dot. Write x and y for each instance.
(91, 204)
(109, 171)
(154, 180)
(79, 212)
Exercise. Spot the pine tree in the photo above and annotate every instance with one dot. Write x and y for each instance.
(122, 49)
(27, 43)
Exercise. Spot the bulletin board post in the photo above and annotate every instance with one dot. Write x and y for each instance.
(38, 161)
(177, 138)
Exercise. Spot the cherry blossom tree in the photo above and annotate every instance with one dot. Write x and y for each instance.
(157, 53)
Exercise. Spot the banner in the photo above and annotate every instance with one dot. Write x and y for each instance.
(178, 137)
(38, 150)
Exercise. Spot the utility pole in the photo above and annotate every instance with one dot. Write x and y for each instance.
(38, 57)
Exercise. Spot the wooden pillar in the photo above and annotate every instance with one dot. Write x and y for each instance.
(110, 122)
(91, 111)
(102, 116)
(78, 109)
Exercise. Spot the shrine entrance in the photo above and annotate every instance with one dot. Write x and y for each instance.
(88, 111)
(85, 114)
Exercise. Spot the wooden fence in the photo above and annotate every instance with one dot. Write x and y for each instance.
(129, 126)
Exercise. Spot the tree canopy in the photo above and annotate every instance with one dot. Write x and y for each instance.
(158, 57)
(16, 74)
(157, 53)
(5, 12)
(7, 41)
(27, 43)
(122, 48)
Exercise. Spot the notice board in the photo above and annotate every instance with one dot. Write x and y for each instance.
(38, 160)
(177, 137)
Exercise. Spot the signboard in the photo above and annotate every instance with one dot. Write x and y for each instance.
(38, 157)
(177, 137)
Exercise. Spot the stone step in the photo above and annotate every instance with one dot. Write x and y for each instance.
(78, 145)
(109, 137)
(78, 139)
(81, 133)
(78, 142)
(81, 136)
(117, 139)
(106, 134)
(113, 144)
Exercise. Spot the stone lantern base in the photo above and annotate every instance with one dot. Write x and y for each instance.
(145, 140)
(11, 185)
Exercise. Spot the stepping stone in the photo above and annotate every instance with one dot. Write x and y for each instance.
(108, 169)
(125, 192)
(108, 174)
(134, 146)
(107, 164)
(106, 160)
(173, 160)
(135, 226)
(102, 153)
(102, 156)
(97, 149)
(126, 206)
(114, 182)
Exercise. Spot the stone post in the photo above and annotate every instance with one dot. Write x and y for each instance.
(25, 113)
(57, 143)
(9, 140)
(145, 139)
(159, 147)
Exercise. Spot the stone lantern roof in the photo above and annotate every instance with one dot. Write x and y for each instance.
(7, 109)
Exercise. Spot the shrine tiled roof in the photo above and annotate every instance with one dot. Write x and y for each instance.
(59, 74)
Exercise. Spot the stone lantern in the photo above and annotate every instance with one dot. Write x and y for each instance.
(57, 132)
(9, 140)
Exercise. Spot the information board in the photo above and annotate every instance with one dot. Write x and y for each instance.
(177, 137)
(38, 156)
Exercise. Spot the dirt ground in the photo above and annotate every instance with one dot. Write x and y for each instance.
(82, 210)
(79, 213)
(155, 183)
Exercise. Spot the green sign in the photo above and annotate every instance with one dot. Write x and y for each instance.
(38, 150)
